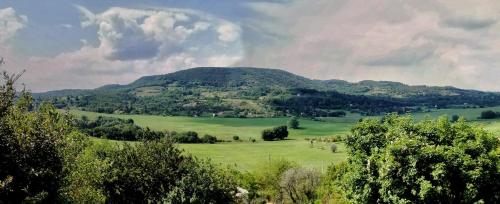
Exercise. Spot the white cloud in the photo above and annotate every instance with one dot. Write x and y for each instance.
(133, 43)
(10, 23)
(228, 32)
(415, 41)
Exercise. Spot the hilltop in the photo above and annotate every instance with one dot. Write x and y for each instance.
(252, 92)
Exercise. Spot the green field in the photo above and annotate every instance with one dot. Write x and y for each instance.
(245, 155)
(226, 128)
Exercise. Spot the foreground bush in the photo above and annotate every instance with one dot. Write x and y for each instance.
(399, 161)
(44, 160)
(264, 183)
(31, 163)
(299, 185)
(152, 171)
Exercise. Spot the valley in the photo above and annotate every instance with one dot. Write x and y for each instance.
(246, 155)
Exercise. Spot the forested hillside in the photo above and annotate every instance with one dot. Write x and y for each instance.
(259, 92)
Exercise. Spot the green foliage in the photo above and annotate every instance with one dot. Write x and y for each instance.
(299, 185)
(454, 118)
(251, 92)
(150, 171)
(395, 160)
(208, 139)
(204, 183)
(156, 171)
(489, 114)
(84, 182)
(116, 129)
(332, 189)
(265, 181)
(44, 160)
(293, 123)
(277, 133)
(236, 138)
(32, 147)
(191, 137)
(185, 137)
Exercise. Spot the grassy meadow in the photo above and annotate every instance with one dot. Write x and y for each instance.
(246, 155)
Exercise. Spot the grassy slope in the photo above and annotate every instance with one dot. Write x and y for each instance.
(246, 155)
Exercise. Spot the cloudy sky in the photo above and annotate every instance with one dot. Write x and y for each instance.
(85, 44)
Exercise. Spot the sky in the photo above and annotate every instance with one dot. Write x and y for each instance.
(86, 44)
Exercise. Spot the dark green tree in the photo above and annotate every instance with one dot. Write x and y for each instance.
(489, 114)
(277, 133)
(399, 161)
(32, 146)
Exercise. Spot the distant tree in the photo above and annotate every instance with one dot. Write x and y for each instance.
(186, 137)
(293, 123)
(433, 161)
(116, 129)
(268, 135)
(277, 133)
(236, 138)
(454, 118)
(208, 139)
(489, 114)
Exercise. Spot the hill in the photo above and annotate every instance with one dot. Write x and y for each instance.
(260, 92)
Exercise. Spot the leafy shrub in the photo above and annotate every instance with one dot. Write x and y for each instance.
(236, 138)
(186, 137)
(266, 179)
(299, 185)
(277, 133)
(293, 123)
(191, 137)
(156, 171)
(455, 118)
(208, 139)
(433, 161)
(332, 187)
(268, 135)
(37, 145)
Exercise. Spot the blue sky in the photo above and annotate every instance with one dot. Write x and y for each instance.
(85, 44)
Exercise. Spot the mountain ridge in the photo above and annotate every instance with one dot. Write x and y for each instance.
(245, 92)
(145, 80)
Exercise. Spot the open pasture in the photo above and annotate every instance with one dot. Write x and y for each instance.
(246, 155)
